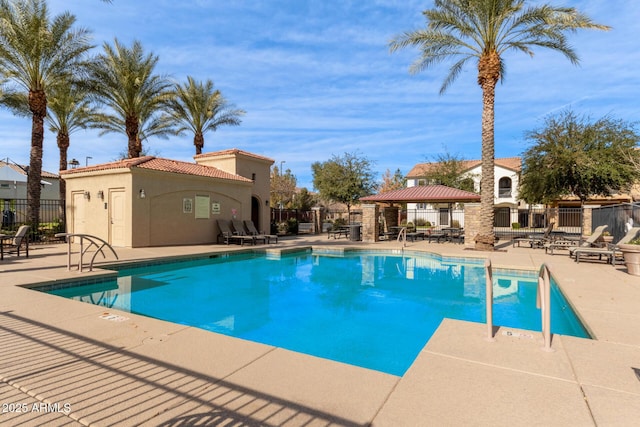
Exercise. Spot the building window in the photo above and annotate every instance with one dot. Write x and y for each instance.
(422, 182)
(504, 187)
(421, 206)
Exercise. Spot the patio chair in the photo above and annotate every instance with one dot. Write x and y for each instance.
(571, 244)
(227, 235)
(610, 251)
(15, 242)
(534, 240)
(238, 227)
(253, 231)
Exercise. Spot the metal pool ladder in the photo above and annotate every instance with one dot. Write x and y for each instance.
(543, 302)
(402, 235)
(93, 241)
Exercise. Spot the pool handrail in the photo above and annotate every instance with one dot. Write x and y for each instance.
(93, 240)
(402, 235)
(489, 298)
(543, 302)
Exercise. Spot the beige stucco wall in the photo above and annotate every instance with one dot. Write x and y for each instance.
(91, 215)
(158, 218)
(255, 168)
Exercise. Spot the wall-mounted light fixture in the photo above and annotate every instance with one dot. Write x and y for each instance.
(142, 194)
(266, 202)
(101, 195)
(87, 195)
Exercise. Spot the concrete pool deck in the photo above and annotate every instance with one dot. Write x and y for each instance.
(116, 368)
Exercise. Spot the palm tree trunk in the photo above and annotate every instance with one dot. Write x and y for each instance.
(63, 146)
(198, 141)
(131, 126)
(38, 107)
(488, 76)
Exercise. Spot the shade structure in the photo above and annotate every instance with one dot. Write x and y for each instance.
(424, 194)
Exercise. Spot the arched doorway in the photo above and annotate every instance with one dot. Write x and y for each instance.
(255, 212)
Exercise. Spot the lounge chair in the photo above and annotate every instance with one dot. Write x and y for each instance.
(610, 251)
(238, 227)
(571, 244)
(253, 231)
(227, 235)
(15, 242)
(536, 240)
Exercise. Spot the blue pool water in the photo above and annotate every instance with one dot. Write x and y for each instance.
(375, 310)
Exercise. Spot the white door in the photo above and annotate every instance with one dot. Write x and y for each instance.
(117, 218)
(78, 211)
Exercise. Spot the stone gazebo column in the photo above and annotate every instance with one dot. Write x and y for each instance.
(471, 224)
(370, 225)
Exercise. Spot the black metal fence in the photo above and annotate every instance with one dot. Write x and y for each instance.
(52, 219)
(509, 223)
(616, 217)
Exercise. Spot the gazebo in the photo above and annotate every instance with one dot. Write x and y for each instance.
(424, 194)
(428, 194)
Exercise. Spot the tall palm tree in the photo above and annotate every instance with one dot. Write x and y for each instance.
(484, 30)
(36, 53)
(123, 79)
(70, 109)
(198, 108)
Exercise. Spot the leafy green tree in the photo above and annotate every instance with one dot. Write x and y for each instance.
(37, 52)
(573, 155)
(344, 179)
(123, 80)
(392, 182)
(198, 108)
(449, 169)
(283, 188)
(70, 109)
(484, 30)
(303, 200)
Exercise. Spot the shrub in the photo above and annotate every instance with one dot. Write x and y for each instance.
(455, 223)
(292, 226)
(515, 225)
(421, 222)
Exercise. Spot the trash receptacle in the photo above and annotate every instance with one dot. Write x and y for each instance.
(354, 232)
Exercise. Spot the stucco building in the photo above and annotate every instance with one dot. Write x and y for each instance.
(150, 201)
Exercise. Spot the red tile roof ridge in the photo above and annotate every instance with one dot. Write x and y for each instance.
(231, 151)
(163, 165)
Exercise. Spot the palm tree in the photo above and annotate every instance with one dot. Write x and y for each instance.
(484, 30)
(37, 53)
(198, 108)
(123, 80)
(70, 109)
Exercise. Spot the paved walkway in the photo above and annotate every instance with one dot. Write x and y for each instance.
(67, 363)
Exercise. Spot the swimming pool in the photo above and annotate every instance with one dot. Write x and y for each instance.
(372, 309)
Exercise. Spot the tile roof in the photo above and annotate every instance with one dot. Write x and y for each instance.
(513, 163)
(424, 193)
(160, 164)
(232, 151)
(22, 168)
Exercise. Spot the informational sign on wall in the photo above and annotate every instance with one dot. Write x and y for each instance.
(202, 207)
(215, 208)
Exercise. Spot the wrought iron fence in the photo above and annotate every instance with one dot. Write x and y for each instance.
(52, 219)
(509, 223)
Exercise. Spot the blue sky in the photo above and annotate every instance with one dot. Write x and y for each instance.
(316, 79)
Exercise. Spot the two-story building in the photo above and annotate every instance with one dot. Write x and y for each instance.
(506, 177)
